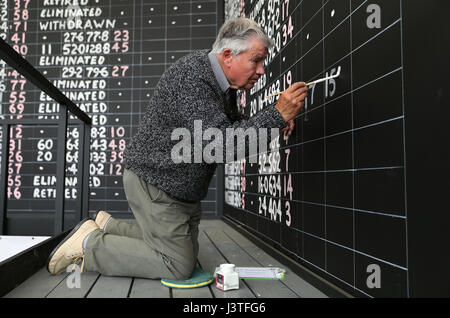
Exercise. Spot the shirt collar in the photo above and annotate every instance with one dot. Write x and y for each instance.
(218, 72)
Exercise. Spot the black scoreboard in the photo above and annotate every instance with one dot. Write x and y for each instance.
(357, 193)
(106, 56)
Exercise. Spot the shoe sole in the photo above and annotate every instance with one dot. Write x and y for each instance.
(63, 241)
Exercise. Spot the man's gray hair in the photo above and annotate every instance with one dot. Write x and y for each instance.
(235, 34)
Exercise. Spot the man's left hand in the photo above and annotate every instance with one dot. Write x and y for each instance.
(289, 128)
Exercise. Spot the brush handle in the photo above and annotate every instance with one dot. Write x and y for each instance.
(273, 95)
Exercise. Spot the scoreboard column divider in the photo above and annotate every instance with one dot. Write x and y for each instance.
(61, 170)
(80, 169)
(4, 179)
(324, 142)
(83, 173)
(85, 170)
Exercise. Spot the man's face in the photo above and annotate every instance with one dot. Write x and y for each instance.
(246, 68)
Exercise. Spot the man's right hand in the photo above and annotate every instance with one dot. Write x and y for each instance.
(292, 100)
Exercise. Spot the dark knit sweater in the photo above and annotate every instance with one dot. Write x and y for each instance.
(187, 91)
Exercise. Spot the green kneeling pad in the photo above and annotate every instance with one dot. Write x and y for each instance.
(199, 278)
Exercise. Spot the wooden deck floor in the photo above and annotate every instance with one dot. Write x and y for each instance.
(219, 243)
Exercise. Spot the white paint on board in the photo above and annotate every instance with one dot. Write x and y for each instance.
(11, 245)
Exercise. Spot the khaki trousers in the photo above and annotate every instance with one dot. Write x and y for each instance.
(163, 243)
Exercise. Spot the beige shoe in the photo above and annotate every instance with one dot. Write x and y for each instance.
(101, 218)
(70, 250)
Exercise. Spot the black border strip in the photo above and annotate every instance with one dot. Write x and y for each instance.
(426, 108)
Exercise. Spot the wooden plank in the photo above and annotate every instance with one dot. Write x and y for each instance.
(232, 244)
(210, 224)
(87, 279)
(149, 288)
(111, 287)
(234, 254)
(37, 286)
(210, 258)
(292, 280)
(199, 292)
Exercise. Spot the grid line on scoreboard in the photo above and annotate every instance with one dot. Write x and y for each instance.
(321, 9)
(268, 151)
(156, 76)
(337, 62)
(326, 241)
(334, 135)
(306, 261)
(50, 32)
(124, 6)
(190, 25)
(392, 215)
(404, 152)
(316, 171)
(140, 102)
(239, 175)
(353, 130)
(354, 50)
(126, 53)
(34, 35)
(298, 32)
(309, 262)
(132, 72)
(353, 146)
(342, 58)
(35, 93)
(165, 33)
(324, 133)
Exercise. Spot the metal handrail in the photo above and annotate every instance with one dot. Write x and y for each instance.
(21, 65)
